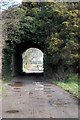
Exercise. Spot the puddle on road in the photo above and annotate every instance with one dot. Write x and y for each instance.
(54, 103)
(52, 91)
(39, 86)
(30, 93)
(47, 91)
(58, 103)
(49, 95)
(16, 84)
(47, 88)
(16, 88)
(37, 82)
(16, 91)
(47, 85)
(41, 89)
(12, 111)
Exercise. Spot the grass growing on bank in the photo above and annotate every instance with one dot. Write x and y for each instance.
(3, 82)
(71, 84)
(2, 89)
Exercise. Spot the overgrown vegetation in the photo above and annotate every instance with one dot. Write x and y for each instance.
(70, 84)
(55, 26)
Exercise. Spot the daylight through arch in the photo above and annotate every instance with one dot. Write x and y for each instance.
(33, 61)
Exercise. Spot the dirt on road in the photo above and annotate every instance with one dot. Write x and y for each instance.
(33, 97)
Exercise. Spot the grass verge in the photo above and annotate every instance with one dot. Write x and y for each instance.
(3, 82)
(70, 84)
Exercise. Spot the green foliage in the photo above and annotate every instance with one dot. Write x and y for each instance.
(55, 26)
(70, 84)
(72, 78)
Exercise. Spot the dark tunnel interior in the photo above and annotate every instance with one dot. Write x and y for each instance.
(17, 56)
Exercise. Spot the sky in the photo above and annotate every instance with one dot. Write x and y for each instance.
(4, 4)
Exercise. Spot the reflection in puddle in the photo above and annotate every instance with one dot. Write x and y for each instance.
(39, 86)
(39, 89)
(12, 111)
(38, 82)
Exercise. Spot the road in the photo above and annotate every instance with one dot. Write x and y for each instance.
(34, 97)
(0, 99)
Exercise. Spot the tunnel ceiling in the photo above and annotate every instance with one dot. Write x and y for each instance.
(21, 47)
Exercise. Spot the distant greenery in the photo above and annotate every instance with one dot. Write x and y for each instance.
(70, 84)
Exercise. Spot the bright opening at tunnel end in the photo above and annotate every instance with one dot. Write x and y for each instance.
(33, 61)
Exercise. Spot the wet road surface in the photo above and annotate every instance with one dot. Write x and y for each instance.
(27, 97)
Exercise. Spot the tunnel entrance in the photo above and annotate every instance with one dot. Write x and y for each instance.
(28, 57)
(33, 61)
